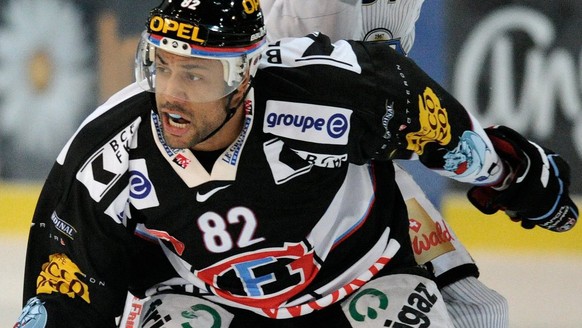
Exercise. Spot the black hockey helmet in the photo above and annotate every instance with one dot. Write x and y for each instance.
(226, 30)
(212, 23)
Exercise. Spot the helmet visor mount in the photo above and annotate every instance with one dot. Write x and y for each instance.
(178, 69)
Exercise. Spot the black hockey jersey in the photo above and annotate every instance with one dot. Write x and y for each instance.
(292, 217)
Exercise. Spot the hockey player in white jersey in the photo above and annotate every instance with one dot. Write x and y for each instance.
(239, 183)
(470, 303)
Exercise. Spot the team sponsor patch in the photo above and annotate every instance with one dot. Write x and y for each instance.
(61, 275)
(430, 239)
(157, 130)
(182, 161)
(469, 158)
(180, 311)
(108, 164)
(323, 160)
(132, 312)
(62, 226)
(140, 193)
(397, 301)
(232, 153)
(434, 123)
(34, 315)
(386, 118)
(178, 30)
(282, 171)
(307, 122)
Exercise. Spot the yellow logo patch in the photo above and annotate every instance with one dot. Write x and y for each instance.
(60, 275)
(251, 6)
(434, 123)
(172, 28)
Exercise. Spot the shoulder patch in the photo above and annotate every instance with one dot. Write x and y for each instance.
(109, 163)
(307, 122)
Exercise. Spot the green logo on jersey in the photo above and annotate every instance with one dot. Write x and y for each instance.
(372, 313)
(217, 321)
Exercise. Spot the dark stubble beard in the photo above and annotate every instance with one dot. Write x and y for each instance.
(202, 133)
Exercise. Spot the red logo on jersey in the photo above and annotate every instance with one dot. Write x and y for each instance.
(414, 225)
(182, 161)
(264, 278)
(248, 107)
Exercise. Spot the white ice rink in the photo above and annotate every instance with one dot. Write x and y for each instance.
(543, 292)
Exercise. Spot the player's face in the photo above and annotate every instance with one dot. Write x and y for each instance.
(181, 84)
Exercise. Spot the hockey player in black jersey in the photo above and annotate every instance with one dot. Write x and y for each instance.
(233, 185)
(470, 303)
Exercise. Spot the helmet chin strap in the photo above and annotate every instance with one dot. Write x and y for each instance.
(230, 111)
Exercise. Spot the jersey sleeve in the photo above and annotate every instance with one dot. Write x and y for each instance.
(434, 242)
(75, 261)
(78, 254)
(371, 103)
(415, 117)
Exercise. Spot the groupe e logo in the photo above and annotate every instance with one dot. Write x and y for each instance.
(335, 126)
(141, 186)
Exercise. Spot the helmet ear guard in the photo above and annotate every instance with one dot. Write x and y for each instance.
(144, 64)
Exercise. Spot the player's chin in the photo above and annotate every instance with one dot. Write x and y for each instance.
(179, 141)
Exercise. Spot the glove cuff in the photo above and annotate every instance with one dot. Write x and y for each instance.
(535, 191)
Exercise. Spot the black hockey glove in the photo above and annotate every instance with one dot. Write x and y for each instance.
(536, 191)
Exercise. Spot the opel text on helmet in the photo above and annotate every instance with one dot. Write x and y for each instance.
(231, 32)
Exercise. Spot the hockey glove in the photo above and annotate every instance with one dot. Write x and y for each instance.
(536, 190)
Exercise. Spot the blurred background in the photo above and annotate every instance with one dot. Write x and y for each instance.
(517, 63)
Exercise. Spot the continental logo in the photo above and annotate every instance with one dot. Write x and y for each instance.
(177, 30)
(434, 123)
(61, 275)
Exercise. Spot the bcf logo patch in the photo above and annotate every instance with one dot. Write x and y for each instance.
(104, 168)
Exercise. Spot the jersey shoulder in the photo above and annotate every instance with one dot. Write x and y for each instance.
(120, 114)
(317, 70)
